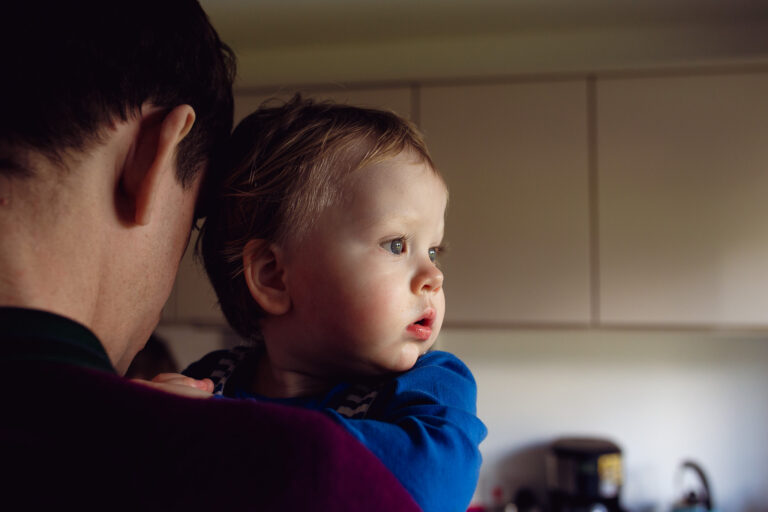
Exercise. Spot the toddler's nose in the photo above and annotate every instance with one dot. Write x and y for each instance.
(428, 279)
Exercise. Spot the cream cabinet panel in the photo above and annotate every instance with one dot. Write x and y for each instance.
(193, 299)
(515, 159)
(683, 176)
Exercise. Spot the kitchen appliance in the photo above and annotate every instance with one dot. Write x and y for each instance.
(693, 501)
(584, 475)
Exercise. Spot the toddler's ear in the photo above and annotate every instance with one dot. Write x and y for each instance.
(264, 274)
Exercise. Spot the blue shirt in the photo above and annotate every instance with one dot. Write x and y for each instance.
(422, 423)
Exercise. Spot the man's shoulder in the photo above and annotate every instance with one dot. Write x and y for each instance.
(182, 451)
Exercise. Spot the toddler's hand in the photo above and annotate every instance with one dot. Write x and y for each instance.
(179, 384)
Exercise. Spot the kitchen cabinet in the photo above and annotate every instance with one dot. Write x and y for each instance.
(193, 299)
(683, 174)
(515, 157)
(672, 232)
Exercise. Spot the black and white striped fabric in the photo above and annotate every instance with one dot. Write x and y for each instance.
(352, 402)
(356, 401)
(225, 367)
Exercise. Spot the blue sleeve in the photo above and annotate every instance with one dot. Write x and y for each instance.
(423, 426)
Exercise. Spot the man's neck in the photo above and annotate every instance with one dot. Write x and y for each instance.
(52, 251)
(36, 246)
(98, 237)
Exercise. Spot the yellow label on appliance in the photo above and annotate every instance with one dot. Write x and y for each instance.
(609, 468)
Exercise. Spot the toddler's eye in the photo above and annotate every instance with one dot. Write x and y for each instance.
(396, 246)
(433, 253)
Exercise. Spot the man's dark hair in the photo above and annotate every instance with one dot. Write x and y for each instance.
(70, 68)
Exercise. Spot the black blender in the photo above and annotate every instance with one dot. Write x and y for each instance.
(584, 475)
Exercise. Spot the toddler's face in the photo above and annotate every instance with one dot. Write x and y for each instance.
(367, 295)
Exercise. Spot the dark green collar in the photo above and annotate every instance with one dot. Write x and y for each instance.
(29, 334)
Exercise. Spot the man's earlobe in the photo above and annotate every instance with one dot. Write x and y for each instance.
(265, 276)
(154, 160)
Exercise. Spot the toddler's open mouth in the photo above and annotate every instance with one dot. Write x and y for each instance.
(424, 321)
(421, 329)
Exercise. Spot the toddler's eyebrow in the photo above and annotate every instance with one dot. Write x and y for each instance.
(372, 220)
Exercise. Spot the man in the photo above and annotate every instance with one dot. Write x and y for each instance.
(110, 115)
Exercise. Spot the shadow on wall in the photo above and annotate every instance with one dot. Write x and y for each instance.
(522, 475)
(153, 359)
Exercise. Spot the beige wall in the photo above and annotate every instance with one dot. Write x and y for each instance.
(662, 396)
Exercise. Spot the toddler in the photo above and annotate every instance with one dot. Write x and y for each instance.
(323, 252)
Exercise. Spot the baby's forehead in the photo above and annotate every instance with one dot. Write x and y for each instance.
(383, 163)
(393, 183)
(400, 193)
(345, 182)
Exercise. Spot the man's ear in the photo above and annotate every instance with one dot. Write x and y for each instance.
(153, 159)
(264, 268)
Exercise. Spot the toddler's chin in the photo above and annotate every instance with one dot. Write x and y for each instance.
(408, 357)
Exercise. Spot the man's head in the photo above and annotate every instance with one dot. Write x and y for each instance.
(284, 166)
(71, 69)
(109, 114)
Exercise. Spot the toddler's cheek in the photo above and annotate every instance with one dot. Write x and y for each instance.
(378, 307)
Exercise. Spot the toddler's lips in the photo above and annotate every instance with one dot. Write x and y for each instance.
(420, 332)
(421, 329)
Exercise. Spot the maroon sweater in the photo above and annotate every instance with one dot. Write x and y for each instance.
(76, 437)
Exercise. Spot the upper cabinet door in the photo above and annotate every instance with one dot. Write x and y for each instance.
(683, 181)
(517, 231)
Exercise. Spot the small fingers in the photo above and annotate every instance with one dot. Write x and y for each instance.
(169, 377)
(178, 389)
(205, 385)
(182, 380)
